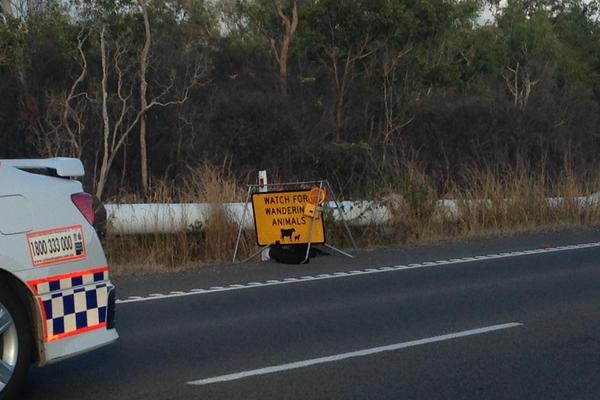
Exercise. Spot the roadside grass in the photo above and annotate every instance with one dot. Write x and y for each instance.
(210, 243)
(491, 203)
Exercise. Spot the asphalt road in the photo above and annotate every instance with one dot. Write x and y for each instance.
(483, 319)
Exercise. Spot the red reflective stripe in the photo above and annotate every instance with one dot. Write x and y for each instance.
(33, 283)
(75, 332)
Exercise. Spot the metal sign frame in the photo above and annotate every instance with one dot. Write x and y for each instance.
(323, 184)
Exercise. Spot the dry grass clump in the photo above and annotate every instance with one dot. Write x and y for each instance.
(490, 202)
(215, 187)
(516, 200)
(410, 199)
(211, 242)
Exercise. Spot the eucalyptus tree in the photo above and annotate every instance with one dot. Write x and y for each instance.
(134, 77)
(382, 42)
(274, 25)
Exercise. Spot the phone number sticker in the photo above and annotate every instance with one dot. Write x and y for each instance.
(53, 246)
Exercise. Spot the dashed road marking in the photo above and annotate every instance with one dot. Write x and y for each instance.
(353, 354)
(366, 271)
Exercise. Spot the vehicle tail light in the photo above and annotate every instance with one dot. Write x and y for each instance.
(85, 204)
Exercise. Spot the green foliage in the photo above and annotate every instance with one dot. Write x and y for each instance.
(341, 26)
(13, 38)
(196, 228)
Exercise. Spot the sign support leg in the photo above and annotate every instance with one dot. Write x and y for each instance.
(338, 250)
(258, 252)
(312, 225)
(341, 214)
(239, 236)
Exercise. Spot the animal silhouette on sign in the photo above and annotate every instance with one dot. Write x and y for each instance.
(296, 237)
(287, 233)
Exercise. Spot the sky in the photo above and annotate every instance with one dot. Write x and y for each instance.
(487, 14)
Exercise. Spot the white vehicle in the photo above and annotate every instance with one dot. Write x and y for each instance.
(56, 299)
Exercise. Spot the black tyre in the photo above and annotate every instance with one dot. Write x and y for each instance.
(15, 344)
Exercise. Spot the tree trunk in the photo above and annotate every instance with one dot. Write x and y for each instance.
(143, 98)
(105, 118)
(282, 54)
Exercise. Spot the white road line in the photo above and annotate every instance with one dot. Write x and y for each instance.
(353, 354)
(366, 271)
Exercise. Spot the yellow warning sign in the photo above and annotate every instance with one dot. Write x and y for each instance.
(279, 217)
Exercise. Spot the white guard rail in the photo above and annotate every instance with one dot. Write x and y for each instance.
(128, 219)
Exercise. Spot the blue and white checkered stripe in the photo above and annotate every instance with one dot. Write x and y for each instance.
(75, 309)
(71, 282)
(73, 304)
